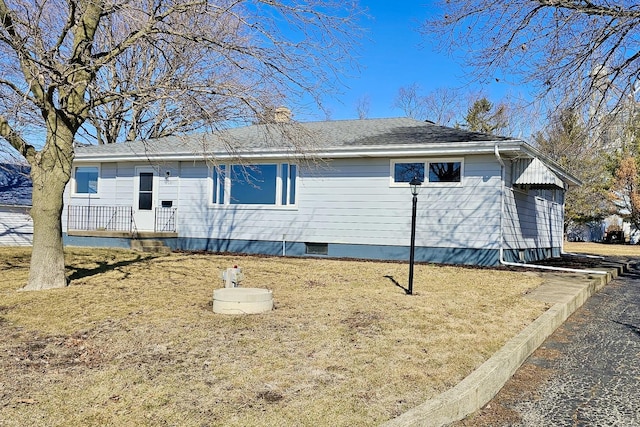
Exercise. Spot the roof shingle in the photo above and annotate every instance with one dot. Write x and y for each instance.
(291, 136)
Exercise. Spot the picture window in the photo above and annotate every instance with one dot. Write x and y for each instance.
(266, 184)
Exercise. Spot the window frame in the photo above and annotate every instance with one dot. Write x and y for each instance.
(74, 182)
(221, 185)
(426, 162)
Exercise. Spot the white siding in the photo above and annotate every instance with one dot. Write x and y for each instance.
(532, 219)
(115, 188)
(168, 186)
(351, 201)
(16, 226)
(123, 195)
(115, 184)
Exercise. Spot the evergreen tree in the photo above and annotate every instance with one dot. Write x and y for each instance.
(483, 117)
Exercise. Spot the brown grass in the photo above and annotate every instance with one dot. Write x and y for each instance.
(133, 341)
(603, 249)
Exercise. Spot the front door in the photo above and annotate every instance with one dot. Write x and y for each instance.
(144, 203)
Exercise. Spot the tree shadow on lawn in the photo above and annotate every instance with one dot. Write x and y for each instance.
(103, 267)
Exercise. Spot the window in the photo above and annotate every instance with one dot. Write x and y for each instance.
(257, 184)
(289, 173)
(86, 179)
(218, 184)
(317, 248)
(145, 193)
(427, 171)
(253, 185)
(444, 172)
(405, 172)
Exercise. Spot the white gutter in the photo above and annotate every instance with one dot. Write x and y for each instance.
(407, 150)
(502, 207)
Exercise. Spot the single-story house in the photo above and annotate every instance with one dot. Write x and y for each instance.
(16, 225)
(330, 188)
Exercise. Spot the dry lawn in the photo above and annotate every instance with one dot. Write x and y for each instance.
(134, 341)
(603, 249)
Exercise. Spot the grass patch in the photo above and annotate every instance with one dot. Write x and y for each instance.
(134, 340)
(602, 249)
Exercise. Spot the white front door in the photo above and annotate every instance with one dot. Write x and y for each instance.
(144, 200)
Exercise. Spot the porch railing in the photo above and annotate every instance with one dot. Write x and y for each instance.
(92, 218)
(165, 220)
(116, 218)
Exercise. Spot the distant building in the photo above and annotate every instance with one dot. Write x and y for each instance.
(16, 226)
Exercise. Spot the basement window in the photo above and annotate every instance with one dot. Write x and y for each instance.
(317, 248)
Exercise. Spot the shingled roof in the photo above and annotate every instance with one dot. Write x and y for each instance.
(391, 137)
(289, 136)
(15, 185)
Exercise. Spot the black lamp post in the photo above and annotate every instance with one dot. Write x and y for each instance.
(415, 188)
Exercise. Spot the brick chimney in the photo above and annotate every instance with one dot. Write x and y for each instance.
(282, 115)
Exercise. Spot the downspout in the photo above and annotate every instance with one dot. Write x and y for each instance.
(496, 151)
(501, 250)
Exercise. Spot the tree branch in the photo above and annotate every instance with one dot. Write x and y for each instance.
(15, 140)
(17, 42)
(589, 8)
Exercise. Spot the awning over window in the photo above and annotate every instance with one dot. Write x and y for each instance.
(532, 173)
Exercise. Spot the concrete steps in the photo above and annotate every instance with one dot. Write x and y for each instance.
(150, 246)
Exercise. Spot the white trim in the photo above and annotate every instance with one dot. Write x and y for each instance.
(509, 148)
(247, 207)
(513, 147)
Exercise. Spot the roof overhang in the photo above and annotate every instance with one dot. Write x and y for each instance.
(542, 173)
(553, 167)
(389, 150)
(532, 173)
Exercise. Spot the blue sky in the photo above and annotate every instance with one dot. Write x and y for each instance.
(394, 55)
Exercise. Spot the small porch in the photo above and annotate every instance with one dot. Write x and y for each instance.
(119, 221)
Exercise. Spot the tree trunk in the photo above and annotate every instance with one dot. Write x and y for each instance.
(50, 172)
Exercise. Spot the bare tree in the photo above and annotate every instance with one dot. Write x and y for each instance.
(154, 105)
(62, 74)
(566, 140)
(586, 49)
(363, 105)
(450, 107)
(411, 102)
(626, 189)
(443, 105)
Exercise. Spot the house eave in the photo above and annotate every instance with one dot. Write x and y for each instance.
(565, 176)
(408, 150)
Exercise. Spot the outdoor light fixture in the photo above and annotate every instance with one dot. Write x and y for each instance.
(415, 188)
